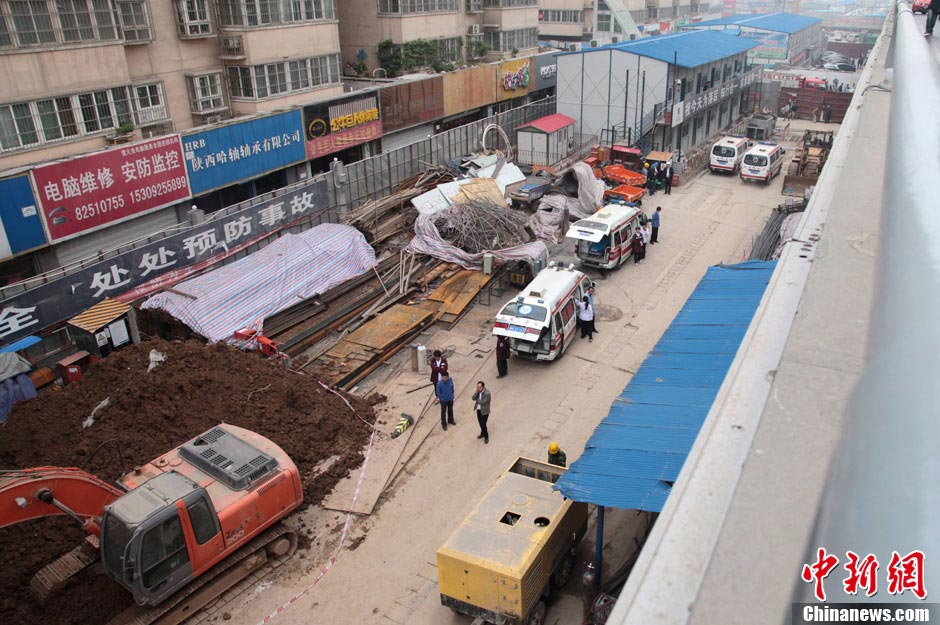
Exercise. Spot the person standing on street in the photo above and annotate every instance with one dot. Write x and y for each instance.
(932, 12)
(556, 456)
(444, 395)
(636, 243)
(502, 356)
(438, 366)
(654, 222)
(667, 179)
(651, 179)
(482, 400)
(586, 315)
(645, 233)
(590, 295)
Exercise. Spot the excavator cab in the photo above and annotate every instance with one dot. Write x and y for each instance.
(153, 537)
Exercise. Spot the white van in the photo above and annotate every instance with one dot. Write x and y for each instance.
(604, 237)
(541, 322)
(762, 162)
(727, 153)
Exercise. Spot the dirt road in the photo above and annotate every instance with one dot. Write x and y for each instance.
(390, 576)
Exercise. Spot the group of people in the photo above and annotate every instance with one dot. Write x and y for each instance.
(658, 175)
(645, 234)
(444, 395)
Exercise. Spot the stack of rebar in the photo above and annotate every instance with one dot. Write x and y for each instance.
(476, 225)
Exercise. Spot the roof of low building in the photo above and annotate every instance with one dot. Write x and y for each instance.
(777, 22)
(686, 49)
(549, 123)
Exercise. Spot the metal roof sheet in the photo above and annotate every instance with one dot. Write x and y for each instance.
(777, 22)
(687, 49)
(638, 450)
(549, 123)
(99, 315)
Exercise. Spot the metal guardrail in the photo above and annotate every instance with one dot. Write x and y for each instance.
(882, 495)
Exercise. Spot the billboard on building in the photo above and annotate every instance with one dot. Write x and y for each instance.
(469, 89)
(20, 224)
(412, 103)
(339, 124)
(544, 72)
(513, 79)
(90, 192)
(240, 151)
(153, 266)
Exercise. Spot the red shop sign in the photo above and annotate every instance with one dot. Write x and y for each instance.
(87, 193)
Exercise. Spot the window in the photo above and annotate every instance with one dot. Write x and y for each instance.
(203, 520)
(6, 39)
(32, 22)
(262, 81)
(134, 20)
(205, 92)
(192, 18)
(17, 128)
(603, 22)
(566, 17)
(417, 6)
(163, 551)
(150, 106)
(75, 19)
(268, 12)
(508, 40)
(509, 3)
(28, 124)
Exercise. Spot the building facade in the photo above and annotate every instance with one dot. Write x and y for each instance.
(411, 35)
(665, 93)
(80, 75)
(782, 38)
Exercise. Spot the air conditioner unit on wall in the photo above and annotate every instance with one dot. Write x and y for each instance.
(572, 47)
(594, 43)
(615, 38)
(474, 29)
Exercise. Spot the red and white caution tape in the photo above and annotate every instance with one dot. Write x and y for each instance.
(342, 540)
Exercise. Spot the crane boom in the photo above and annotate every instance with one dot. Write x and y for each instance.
(48, 491)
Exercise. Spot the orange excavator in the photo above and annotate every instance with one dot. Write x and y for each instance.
(176, 532)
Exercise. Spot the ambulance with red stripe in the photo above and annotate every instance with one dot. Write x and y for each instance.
(604, 237)
(541, 322)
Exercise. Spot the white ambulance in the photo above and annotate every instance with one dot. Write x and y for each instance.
(604, 238)
(541, 322)
(762, 162)
(727, 153)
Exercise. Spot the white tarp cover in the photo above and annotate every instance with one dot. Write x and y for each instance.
(293, 268)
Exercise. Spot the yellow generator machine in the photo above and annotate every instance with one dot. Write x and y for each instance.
(518, 544)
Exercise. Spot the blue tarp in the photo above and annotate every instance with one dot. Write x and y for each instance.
(23, 343)
(637, 451)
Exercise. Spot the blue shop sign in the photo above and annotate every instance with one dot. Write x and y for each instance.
(242, 151)
(20, 224)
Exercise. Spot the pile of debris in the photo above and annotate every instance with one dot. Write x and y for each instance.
(193, 389)
(478, 224)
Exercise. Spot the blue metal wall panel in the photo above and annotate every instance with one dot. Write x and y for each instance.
(20, 224)
(644, 440)
(241, 151)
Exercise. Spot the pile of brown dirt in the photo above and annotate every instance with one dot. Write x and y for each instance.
(197, 387)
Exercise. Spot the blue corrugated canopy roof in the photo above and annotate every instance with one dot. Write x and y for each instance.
(687, 49)
(777, 22)
(637, 451)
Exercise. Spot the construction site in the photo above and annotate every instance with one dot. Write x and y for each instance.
(319, 342)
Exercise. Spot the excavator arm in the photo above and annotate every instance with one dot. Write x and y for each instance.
(48, 491)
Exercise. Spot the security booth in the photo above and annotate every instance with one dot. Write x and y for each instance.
(545, 141)
(105, 327)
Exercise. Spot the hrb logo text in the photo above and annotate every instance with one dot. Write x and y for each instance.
(902, 573)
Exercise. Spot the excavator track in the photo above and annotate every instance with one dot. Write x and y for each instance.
(225, 581)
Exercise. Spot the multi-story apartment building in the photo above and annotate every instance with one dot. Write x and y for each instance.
(429, 33)
(566, 20)
(75, 72)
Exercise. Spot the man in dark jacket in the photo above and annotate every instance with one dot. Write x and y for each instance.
(444, 395)
(932, 11)
(481, 401)
(667, 179)
(502, 356)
